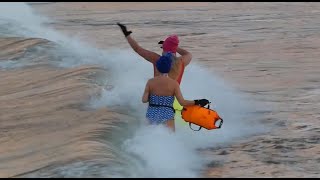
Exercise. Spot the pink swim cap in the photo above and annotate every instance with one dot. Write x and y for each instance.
(171, 44)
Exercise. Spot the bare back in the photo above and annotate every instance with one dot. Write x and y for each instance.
(162, 86)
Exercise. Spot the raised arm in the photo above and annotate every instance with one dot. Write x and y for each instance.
(146, 54)
(186, 56)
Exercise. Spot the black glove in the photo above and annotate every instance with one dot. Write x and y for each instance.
(201, 102)
(124, 30)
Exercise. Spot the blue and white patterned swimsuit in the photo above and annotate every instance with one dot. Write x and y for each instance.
(160, 109)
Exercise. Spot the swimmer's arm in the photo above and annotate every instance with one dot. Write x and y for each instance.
(146, 54)
(186, 56)
(180, 98)
(145, 97)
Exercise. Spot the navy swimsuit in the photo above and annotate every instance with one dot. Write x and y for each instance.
(160, 109)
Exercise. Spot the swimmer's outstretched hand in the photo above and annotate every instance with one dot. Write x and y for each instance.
(201, 102)
(124, 29)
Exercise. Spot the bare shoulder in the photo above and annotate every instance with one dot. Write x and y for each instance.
(174, 82)
(150, 80)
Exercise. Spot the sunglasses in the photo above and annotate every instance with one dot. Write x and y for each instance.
(160, 42)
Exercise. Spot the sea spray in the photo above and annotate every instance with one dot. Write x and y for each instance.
(156, 151)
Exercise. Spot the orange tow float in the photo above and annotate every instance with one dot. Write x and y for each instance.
(201, 116)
